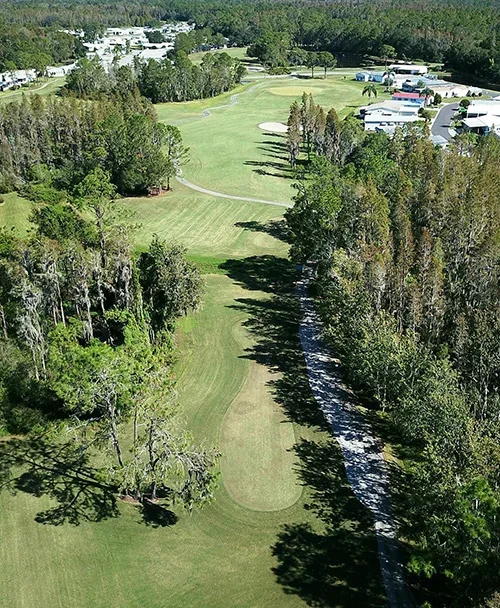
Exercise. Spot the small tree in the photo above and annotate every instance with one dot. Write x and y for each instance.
(370, 89)
(294, 137)
(176, 151)
(386, 51)
(312, 62)
(326, 60)
(427, 93)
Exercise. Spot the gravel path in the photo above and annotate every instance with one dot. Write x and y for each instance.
(365, 466)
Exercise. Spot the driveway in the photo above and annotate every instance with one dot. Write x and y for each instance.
(442, 123)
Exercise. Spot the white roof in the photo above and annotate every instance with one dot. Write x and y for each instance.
(392, 106)
(485, 121)
(388, 118)
(408, 66)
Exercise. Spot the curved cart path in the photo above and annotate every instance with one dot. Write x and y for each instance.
(230, 196)
(365, 466)
(205, 113)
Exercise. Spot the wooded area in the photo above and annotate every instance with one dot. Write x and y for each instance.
(87, 342)
(405, 238)
(25, 47)
(47, 146)
(461, 35)
(158, 81)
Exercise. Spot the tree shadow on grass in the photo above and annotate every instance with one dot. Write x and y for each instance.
(157, 516)
(276, 150)
(273, 323)
(333, 563)
(60, 472)
(330, 560)
(275, 228)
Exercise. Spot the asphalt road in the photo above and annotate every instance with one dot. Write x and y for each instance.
(443, 120)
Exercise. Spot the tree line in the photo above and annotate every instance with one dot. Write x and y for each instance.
(86, 345)
(432, 32)
(276, 49)
(29, 47)
(48, 145)
(405, 238)
(158, 81)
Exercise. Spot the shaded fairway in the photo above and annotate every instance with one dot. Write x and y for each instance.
(285, 530)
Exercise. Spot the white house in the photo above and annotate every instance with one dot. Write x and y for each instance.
(387, 115)
(402, 68)
(483, 107)
(484, 125)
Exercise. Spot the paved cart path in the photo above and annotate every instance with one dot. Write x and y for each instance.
(230, 196)
(366, 469)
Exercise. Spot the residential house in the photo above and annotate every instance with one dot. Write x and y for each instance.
(402, 68)
(362, 76)
(482, 126)
(483, 107)
(387, 115)
(409, 97)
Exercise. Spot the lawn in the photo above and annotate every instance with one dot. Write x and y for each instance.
(236, 53)
(285, 530)
(230, 154)
(48, 86)
(14, 212)
(207, 226)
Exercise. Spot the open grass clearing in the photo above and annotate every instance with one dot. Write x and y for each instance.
(15, 212)
(230, 154)
(257, 441)
(295, 90)
(48, 87)
(206, 225)
(234, 52)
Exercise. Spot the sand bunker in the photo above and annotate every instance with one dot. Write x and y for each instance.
(273, 127)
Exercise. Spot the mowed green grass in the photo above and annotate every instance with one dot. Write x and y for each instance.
(50, 87)
(15, 212)
(236, 53)
(251, 429)
(230, 154)
(207, 226)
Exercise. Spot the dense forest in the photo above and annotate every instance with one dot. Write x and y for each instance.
(405, 238)
(461, 35)
(24, 47)
(48, 145)
(87, 347)
(158, 81)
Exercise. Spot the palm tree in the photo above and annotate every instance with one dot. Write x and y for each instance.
(389, 78)
(370, 90)
(427, 93)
